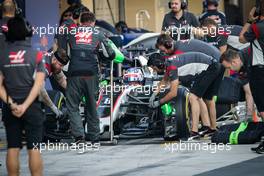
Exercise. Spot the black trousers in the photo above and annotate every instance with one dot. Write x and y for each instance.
(257, 86)
(76, 88)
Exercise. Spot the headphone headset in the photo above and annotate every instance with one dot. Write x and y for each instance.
(78, 10)
(168, 44)
(18, 11)
(155, 59)
(184, 4)
(164, 40)
(207, 2)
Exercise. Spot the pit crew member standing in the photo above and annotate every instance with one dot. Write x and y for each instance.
(178, 17)
(8, 12)
(214, 36)
(253, 32)
(19, 90)
(67, 23)
(83, 76)
(212, 12)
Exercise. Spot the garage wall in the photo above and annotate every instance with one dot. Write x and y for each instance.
(247, 6)
(156, 9)
(138, 13)
(141, 13)
(102, 10)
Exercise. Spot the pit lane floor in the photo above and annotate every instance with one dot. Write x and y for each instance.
(147, 157)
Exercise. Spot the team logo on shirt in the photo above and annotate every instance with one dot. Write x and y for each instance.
(84, 37)
(17, 57)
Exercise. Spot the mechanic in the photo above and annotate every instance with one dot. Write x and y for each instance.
(212, 12)
(242, 75)
(19, 90)
(214, 36)
(178, 17)
(253, 32)
(66, 23)
(219, 40)
(83, 77)
(65, 16)
(54, 62)
(235, 61)
(121, 27)
(70, 22)
(197, 71)
(8, 12)
(167, 45)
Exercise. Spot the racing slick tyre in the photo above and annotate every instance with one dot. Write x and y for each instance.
(56, 129)
(57, 98)
(177, 122)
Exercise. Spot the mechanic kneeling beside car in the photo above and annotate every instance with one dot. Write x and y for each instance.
(204, 75)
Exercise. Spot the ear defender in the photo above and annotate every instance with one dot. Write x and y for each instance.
(184, 4)
(168, 44)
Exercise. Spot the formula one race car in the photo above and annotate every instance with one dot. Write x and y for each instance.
(132, 118)
(131, 115)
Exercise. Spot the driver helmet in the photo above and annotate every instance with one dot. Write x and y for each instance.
(133, 75)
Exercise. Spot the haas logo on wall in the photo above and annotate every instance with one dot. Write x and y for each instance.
(84, 37)
(17, 57)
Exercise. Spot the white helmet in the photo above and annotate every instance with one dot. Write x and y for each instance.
(133, 75)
